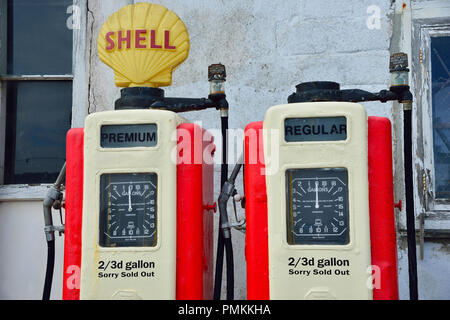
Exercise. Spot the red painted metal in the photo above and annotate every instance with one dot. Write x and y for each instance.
(256, 242)
(74, 207)
(381, 201)
(195, 203)
(194, 220)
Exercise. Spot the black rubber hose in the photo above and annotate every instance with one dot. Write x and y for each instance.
(220, 239)
(230, 269)
(226, 236)
(410, 216)
(49, 271)
(219, 265)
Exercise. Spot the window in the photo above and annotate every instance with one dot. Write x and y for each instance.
(440, 105)
(431, 74)
(36, 88)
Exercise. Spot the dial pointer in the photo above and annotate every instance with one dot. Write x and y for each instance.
(129, 198)
(317, 195)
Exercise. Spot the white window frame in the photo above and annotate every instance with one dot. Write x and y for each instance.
(80, 90)
(429, 19)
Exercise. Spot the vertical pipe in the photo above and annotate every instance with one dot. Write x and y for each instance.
(409, 195)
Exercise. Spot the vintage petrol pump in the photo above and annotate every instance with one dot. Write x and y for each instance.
(138, 224)
(319, 197)
(139, 179)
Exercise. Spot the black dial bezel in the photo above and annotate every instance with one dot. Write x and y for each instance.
(106, 239)
(330, 238)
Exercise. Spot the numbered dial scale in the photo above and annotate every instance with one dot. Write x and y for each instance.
(128, 210)
(317, 206)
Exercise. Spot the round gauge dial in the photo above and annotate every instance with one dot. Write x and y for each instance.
(128, 210)
(317, 206)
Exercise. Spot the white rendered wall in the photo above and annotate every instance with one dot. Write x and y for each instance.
(23, 252)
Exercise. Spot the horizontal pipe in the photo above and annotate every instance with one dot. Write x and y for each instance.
(11, 77)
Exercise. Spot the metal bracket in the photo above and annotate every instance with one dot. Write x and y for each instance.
(422, 216)
(239, 224)
(427, 193)
(421, 234)
(60, 229)
(50, 230)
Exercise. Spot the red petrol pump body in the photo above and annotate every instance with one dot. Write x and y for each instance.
(194, 203)
(382, 223)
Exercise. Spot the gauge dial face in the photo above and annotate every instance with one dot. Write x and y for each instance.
(128, 210)
(317, 206)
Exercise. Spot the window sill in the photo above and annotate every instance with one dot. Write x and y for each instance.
(435, 225)
(435, 221)
(23, 192)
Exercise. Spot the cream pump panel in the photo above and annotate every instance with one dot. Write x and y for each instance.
(130, 180)
(318, 205)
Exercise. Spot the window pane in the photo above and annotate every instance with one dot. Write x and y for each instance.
(38, 118)
(440, 70)
(39, 41)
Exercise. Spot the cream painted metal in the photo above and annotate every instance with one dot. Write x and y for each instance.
(351, 154)
(156, 159)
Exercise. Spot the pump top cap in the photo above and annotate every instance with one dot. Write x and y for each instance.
(143, 43)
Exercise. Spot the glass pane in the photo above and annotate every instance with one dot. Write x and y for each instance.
(39, 41)
(440, 70)
(38, 118)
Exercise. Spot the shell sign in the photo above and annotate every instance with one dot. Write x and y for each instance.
(143, 43)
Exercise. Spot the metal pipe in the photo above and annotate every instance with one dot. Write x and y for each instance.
(61, 177)
(409, 195)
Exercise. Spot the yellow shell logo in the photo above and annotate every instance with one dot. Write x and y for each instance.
(143, 43)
